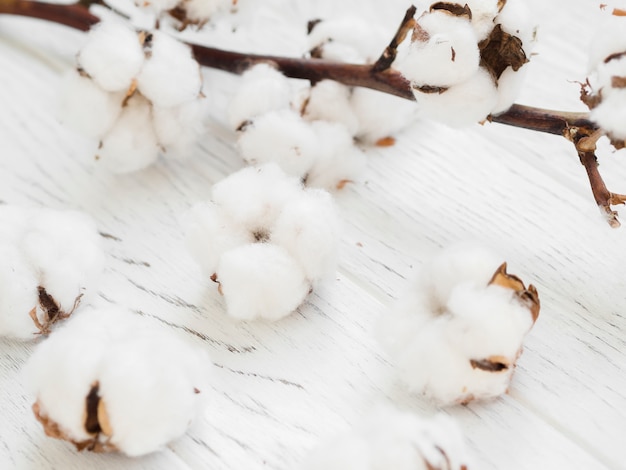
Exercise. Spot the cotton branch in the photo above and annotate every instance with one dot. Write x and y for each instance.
(378, 76)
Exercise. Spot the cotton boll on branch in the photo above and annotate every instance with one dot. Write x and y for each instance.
(178, 128)
(457, 334)
(330, 101)
(442, 53)
(261, 280)
(112, 55)
(112, 381)
(387, 438)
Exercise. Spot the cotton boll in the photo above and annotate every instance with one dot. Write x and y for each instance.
(131, 144)
(151, 389)
(179, 128)
(262, 89)
(112, 55)
(18, 295)
(87, 108)
(282, 137)
(605, 73)
(380, 114)
(462, 104)
(209, 234)
(445, 54)
(339, 52)
(330, 101)
(254, 196)
(261, 281)
(308, 228)
(145, 385)
(338, 161)
(170, 76)
(610, 114)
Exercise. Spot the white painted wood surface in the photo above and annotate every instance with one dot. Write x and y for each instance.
(280, 388)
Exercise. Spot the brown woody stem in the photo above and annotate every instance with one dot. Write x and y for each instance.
(379, 76)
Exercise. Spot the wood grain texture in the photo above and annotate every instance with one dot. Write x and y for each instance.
(280, 388)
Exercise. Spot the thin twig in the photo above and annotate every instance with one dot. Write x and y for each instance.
(390, 52)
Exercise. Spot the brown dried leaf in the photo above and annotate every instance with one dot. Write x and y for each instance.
(501, 50)
(587, 96)
(618, 82)
(419, 34)
(455, 9)
(491, 364)
(386, 141)
(528, 296)
(619, 12)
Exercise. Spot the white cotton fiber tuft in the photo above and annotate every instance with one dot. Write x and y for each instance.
(261, 280)
(387, 438)
(330, 101)
(445, 55)
(170, 76)
(87, 108)
(282, 137)
(112, 55)
(262, 89)
(179, 128)
(462, 104)
(131, 144)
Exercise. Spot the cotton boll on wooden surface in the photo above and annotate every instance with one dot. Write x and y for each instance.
(388, 438)
(261, 280)
(170, 76)
(262, 89)
(45, 272)
(179, 128)
(282, 137)
(112, 55)
(145, 384)
(330, 101)
(457, 333)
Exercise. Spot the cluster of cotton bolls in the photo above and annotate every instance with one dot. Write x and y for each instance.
(137, 93)
(467, 60)
(607, 97)
(457, 333)
(48, 260)
(310, 131)
(109, 380)
(265, 239)
(390, 439)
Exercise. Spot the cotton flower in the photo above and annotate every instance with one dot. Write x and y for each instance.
(111, 381)
(265, 239)
(457, 49)
(391, 439)
(44, 272)
(605, 90)
(457, 334)
(138, 94)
